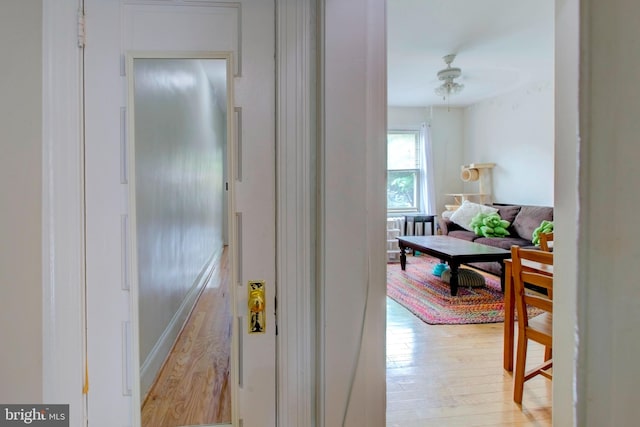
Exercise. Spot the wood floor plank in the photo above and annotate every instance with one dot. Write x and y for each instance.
(193, 385)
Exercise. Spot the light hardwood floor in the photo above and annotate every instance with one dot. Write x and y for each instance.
(193, 385)
(452, 375)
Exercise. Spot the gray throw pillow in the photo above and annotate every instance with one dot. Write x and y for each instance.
(529, 218)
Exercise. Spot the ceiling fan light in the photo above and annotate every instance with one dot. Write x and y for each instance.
(449, 88)
(447, 75)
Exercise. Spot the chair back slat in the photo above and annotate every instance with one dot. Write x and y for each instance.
(538, 302)
(523, 277)
(537, 279)
(545, 240)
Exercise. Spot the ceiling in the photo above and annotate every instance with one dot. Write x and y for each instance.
(500, 46)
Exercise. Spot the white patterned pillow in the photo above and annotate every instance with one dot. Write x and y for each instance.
(467, 210)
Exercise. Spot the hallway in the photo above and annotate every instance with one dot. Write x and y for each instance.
(193, 385)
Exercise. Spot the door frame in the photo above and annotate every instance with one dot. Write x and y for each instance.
(64, 344)
(296, 141)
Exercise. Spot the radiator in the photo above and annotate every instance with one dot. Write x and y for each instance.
(395, 227)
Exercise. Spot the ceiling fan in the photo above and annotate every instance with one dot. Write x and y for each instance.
(447, 75)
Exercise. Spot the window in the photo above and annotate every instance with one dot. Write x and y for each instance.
(403, 171)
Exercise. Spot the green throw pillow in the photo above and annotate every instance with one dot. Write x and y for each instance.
(545, 227)
(489, 225)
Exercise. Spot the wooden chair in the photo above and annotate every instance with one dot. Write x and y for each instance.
(546, 244)
(545, 239)
(538, 328)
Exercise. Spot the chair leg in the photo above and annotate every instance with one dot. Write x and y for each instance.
(547, 353)
(521, 361)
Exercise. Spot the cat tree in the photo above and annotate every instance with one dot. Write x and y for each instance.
(475, 172)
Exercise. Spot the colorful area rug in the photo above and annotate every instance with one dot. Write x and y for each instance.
(429, 298)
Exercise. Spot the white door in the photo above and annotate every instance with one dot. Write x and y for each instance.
(113, 28)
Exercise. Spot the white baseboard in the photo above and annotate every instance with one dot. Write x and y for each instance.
(160, 351)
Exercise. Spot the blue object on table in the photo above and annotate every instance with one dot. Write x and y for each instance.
(439, 268)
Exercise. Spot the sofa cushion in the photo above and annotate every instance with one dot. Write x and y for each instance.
(467, 210)
(508, 213)
(503, 242)
(529, 218)
(446, 226)
(463, 234)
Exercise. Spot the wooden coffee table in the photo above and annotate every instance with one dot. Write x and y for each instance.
(452, 251)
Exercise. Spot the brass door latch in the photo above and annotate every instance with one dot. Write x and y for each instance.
(256, 303)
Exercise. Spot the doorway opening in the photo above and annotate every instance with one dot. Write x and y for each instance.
(438, 372)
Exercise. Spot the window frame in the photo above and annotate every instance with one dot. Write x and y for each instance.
(418, 171)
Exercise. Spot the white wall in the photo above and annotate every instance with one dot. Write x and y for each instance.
(447, 141)
(179, 136)
(515, 131)
(21, 194)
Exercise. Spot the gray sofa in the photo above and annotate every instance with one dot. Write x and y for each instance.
(523, 219)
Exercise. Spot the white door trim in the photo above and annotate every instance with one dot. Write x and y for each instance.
(295, 207)
(63, 269)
